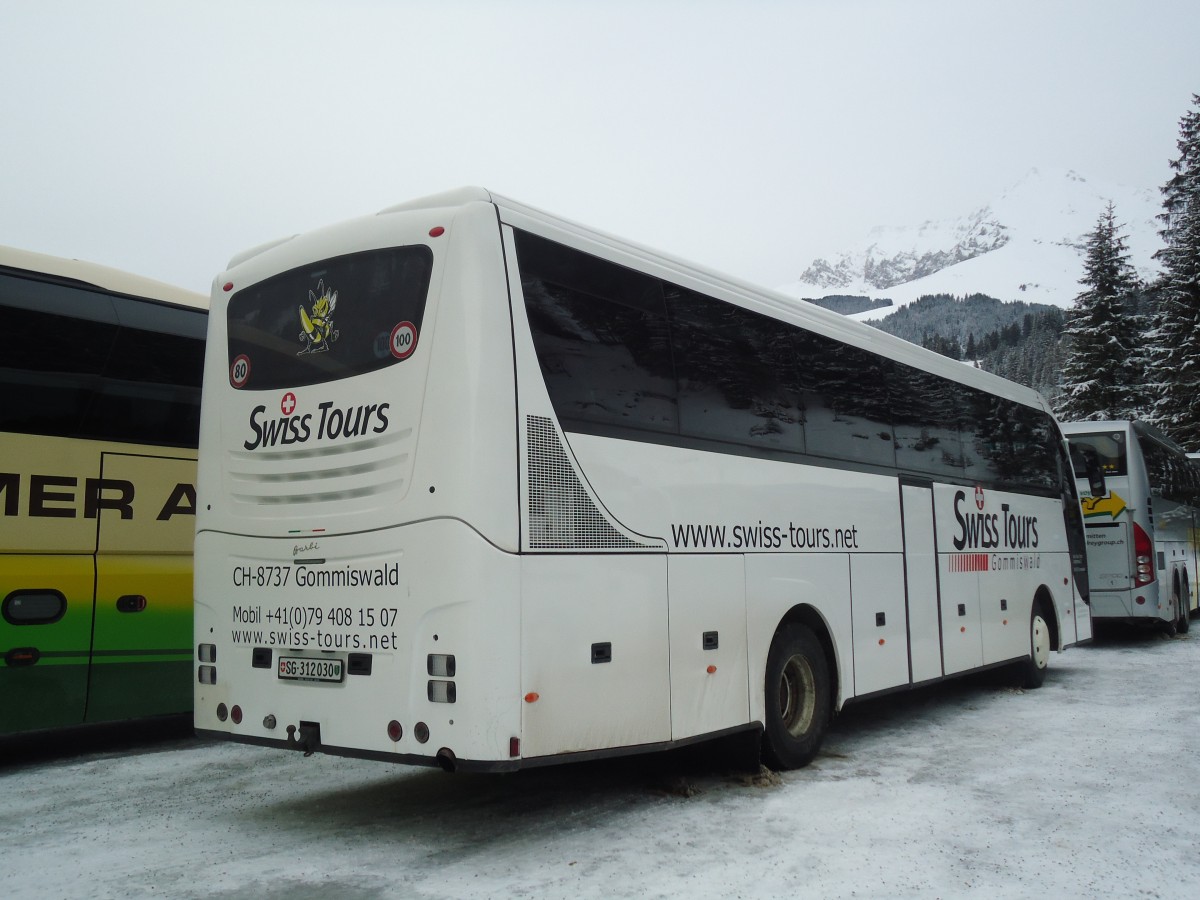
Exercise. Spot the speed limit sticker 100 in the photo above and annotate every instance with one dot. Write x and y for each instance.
(404, 340)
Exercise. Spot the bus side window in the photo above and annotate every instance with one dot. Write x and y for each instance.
(601, 336)
(736, 373)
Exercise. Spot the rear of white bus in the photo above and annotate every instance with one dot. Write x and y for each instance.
(356, 567)
(1120, 532)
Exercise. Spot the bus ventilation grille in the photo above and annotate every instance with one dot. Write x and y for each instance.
(561, 514)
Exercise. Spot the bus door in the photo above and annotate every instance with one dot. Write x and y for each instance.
(45, 632)
(142, 650)
(47, 582)
(921, 580)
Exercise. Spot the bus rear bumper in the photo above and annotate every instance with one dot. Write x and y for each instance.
(1133, 607)
(749, 733)
(406, 759)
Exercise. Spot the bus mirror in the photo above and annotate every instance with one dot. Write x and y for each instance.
(1086, 462)
(1095, 474)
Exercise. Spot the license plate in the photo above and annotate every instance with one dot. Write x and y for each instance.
(302, 668)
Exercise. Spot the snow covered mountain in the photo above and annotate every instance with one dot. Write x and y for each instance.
(1026, 245)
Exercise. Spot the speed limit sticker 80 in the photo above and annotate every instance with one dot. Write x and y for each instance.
(239, 372)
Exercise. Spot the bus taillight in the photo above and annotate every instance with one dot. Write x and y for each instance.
(1143, 552)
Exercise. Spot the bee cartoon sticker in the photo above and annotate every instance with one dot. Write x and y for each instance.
(317, 320)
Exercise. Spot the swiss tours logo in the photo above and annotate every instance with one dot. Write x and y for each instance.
(329, 422)
(981, 530)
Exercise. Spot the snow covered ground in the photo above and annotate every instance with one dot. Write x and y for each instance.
(1089, 787)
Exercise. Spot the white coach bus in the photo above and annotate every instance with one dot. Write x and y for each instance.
(485, 489)
(1141, 530)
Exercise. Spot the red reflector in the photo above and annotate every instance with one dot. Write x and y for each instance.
(236, 715)
(514, 746)
(227, 287)
(395, 732)
(437, 231)
(1143, 552)
(532, 697)
(1140, 601)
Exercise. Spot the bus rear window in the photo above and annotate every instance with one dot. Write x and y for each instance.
(1110, 450)
(333, 319)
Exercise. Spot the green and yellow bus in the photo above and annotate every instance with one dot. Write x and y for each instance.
(100, 372)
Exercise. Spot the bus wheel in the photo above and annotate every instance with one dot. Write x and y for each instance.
(1034, 668)
(1183, 623)
(798, 698)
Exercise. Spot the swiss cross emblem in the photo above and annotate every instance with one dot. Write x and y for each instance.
(978, 497)
(288, 405)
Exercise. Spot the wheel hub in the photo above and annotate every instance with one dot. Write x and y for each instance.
(797, 696)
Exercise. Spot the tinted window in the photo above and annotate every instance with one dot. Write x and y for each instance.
(340, 317)
(736, 372)
(846, 401)
(601, 336)
(50, 375)
(1171, 474)
(1036, 442)
(927, 421)
(97, 366)
(1110, 450)
(151, 389)
(1008, 444)
(620, 348)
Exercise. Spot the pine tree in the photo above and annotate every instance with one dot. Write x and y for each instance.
(1177, 338)
(1102, 331)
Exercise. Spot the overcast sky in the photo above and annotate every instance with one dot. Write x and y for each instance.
(163, 137)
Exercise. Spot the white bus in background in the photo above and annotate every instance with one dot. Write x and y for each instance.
(485, 489)
(1141, 532)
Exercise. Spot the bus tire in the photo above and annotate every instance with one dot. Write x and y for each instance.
(798, 698)
(1183, 623)
(1033, 670)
